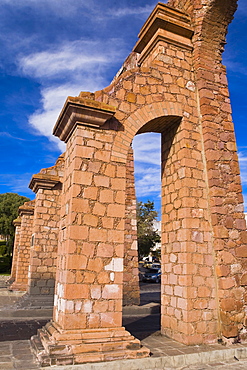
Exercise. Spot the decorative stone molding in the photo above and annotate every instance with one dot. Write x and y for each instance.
(26, 209)
(17, 222)
(79, 111)
(164, 24)
(43, 181)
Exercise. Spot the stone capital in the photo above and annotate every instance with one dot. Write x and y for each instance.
(43, 181)
(80, 111)
(17, 222)
(26, 209)
(164, 24)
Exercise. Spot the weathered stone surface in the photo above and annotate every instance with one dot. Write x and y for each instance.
(172, 83)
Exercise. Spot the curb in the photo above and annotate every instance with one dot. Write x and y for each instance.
(165, 362)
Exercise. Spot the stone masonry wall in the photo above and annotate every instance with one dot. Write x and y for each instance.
(131, 290)
(189, 302)
(17, 224)
(209, 97)
(90, 259)
(172, 83)
(224, 186)
(23, 258)
(43, 253)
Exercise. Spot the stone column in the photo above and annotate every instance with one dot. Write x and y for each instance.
(87, 318)
(189, 303)
(131, 289)
(17, 224)
(21, 278)
(43, 252)
(227, 222)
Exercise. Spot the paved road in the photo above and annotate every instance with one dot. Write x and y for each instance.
(150, 292)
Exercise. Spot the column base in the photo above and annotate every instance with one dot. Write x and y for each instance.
(55, 346)
(18, 286)
(10, 281)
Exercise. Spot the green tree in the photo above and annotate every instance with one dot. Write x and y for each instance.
(9, 204)
(146, 235)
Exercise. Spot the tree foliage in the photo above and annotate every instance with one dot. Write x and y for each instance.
(146, 235)
(9, 204)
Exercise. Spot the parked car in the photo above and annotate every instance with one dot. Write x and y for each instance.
(148, 264)
(152, 276)
(156, 266)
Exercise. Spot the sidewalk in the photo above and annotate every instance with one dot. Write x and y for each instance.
(15, 351)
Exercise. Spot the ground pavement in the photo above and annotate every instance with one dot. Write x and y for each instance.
(142, 322)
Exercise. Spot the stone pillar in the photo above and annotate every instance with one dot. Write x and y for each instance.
(131, 289)
(17, 224)
(23, 259)
(224, 191)
(87, 317)
(43, 252)
(188, 297)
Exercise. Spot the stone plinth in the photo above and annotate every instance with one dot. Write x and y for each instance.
(54, 346)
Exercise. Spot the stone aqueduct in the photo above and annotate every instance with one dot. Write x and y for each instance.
(82, 223)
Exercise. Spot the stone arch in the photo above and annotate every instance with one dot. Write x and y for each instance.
(173, 76)
(210, 20)
(156, 115)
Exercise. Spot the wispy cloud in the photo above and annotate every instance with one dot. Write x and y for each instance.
(242, 156)
(127, 11)
(65, 8)
(74, 61)
(147, 181)
(17, 183)
(8, 135)
(242, 7)
(69, 58)
(82, 63)
(235, 66)
(147, 152)
(147, 148)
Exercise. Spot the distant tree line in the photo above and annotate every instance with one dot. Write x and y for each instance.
(9, 204)
(147, 236)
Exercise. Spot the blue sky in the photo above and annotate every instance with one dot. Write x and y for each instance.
(54, 48)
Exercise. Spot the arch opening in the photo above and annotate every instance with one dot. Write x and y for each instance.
(151, 145)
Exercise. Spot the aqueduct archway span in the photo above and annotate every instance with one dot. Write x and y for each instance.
(175, 84)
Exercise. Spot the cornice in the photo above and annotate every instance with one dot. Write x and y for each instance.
(81, 111)
(43, 181)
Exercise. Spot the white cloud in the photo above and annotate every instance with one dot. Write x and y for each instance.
(65, 8)
(242, 7)
(17, 183)
(122, 12)
(242, 156)
(234, 66)
(53, 99)
(147, 148)
(147, 151)
(8, 135)
(82, 63)
(147, 181)
(77, 56)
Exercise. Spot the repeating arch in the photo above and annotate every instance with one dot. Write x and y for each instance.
(155, 113)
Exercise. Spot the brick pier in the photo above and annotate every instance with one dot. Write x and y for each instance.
(173, 83)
